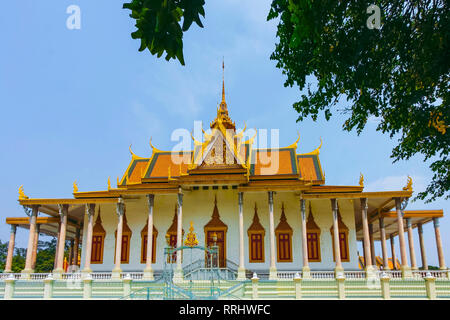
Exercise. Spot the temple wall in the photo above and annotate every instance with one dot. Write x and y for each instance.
(198, 207)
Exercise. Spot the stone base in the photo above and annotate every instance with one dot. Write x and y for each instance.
(273, 274)
(148, 275)
(338, 271)
(306, 271)
(57, 274)
(26, 273)
(241, 274)
(371, 272)
(406, 272)
(115, 275)
(85, 273)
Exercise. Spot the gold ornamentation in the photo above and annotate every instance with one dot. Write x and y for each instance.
(294, 145)
(22, 195)
(408, 186)
(361, 180)
(118, 181)
(75, 187)
(109, 183)
(191, 237)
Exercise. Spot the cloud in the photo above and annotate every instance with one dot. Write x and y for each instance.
(391, 183)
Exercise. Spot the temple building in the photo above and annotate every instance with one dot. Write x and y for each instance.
(268, 211)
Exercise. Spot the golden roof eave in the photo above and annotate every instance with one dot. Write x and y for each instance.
(42, 201)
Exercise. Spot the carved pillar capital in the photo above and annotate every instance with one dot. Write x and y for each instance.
(408, 223)
(240, 198)
(120, 207)
(364, 204)
(381, 223)
(436, 222)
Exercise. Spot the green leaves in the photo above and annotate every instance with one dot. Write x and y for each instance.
(399, 73)
(158, 24)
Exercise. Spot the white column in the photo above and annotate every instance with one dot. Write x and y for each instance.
(383, 244)
(35, 246)
(337, 251)
(422, 247)
(412, 253)
(148, 272)
(394, 257)
(406, 270)
(55, 261)
(372, 245)
(12, 240)
(440, 251)
(31, 237)
(119, 210)
(366, 242)
(63, 209)
(90, 210)
(178, 275)
(241, 269)
(273, 268)
(305, 268)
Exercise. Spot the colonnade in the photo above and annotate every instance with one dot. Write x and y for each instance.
(33, 239)
(368, 241)
(369, 248)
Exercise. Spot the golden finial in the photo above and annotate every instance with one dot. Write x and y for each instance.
(294, 145)
(22, 195)
(361, 180)
(75, 187)
(223, 80)
(118, 181)
(109, 183)
(191, 237)
(408, 186)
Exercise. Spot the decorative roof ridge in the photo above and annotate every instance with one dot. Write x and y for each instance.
(283, 225)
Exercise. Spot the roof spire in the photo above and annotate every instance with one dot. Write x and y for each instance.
(223, 79)
(222, 110)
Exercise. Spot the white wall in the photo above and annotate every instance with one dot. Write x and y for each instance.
(198, 207)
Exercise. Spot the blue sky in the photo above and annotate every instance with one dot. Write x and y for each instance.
(72, 101)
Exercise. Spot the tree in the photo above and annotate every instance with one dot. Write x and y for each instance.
(398, 73)
(18, 262)
(158, 24)
(45, 257)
